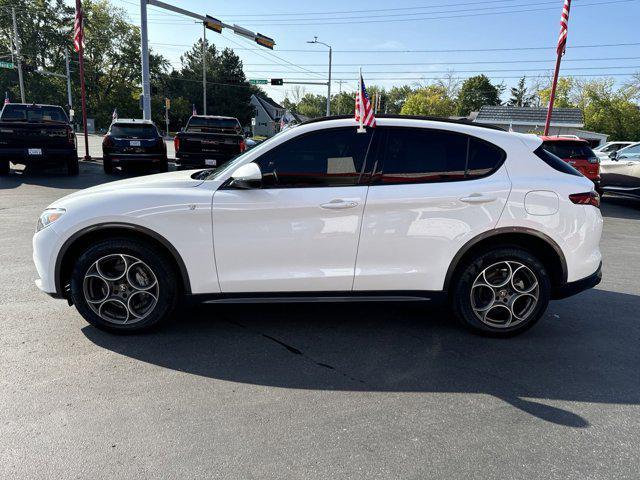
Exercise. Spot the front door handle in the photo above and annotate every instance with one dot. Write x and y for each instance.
(476, 198)
(339, 204)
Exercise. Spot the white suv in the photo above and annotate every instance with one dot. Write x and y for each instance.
(413, 209)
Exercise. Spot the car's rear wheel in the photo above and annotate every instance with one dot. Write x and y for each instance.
(73, 167)
(501, 293)
(124, 286)
(5, 169)
(107, 164)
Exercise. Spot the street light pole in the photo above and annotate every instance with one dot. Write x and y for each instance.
(66, 61)
(315, 40)
(146, 75)
(204, 68)
(16, 41)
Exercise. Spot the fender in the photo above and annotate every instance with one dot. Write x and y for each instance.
(128, 226)
(501, 231)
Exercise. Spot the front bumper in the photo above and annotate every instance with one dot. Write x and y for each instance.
(46, 246)
(573, 288)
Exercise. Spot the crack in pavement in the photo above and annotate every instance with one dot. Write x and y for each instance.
(298, 352)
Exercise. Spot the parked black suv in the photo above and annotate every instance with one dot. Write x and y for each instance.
(36, 134)
(134, 142)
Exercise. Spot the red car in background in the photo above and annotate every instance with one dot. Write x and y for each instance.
(577, 153)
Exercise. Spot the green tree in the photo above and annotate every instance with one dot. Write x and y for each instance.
(520, 96)
(313, 106)
(610, 111)
(343, 103)
(431, 100)
(567, 93)
(396, 98)
(476, 92)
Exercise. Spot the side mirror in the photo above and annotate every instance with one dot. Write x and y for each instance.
(613, 155)
(247, 177)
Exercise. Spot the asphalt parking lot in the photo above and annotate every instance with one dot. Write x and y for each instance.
(322, 391)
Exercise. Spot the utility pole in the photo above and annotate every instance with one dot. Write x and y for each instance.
(315, 40)
(340, 82)
(66, 61)
(16, 42)
(146, 75)
(209, 22)
(204, 68)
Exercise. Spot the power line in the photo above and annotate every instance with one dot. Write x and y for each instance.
(450, 50)
(495, 77)
(446, 17)
(375, 72)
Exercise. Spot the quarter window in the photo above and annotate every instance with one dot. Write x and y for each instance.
(413, 155)
(326, 158)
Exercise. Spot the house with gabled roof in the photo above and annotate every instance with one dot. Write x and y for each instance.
(267, 115)
(564, 121)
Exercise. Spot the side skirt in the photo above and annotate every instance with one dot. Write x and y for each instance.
(319, 297)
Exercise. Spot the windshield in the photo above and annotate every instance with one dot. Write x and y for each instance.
(203, 124)
(134, 131)
(217, 172)
(33, 113)
(565, 149)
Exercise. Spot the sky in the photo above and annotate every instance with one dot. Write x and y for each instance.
(406, 40)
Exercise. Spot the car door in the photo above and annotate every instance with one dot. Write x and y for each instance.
(621, 172)
(431, 192)
(300, 231)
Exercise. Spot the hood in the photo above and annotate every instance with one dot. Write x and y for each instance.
(170, 180)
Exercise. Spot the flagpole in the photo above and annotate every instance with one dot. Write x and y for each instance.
(83, 91)
(361, 129)
(552, 97)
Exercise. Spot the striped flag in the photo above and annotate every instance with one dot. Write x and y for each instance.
(6, 98)
(194, 111)
(114, 115)
(564, 26)
(364, 111)
(78, 33)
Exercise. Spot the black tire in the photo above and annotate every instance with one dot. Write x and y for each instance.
(164, 165)
(5, 168)
(107, 165)
(468, 273)
(165, 287)
(73, 167)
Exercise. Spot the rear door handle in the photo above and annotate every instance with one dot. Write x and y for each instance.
(339, 204)
(476, 198)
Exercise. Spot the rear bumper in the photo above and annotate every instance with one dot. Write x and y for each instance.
(198, 159)
(49, 155)
(572, 288)
(135, 158)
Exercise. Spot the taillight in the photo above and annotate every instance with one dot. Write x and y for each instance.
(176, 143)
(587, 198)
(106, 141)
(243, 146)
(71, 138)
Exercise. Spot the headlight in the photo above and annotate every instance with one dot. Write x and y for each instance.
(49, 216)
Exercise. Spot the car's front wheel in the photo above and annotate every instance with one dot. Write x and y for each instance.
(502, 292)
(73, 167)
(123, 286)
(5, 169)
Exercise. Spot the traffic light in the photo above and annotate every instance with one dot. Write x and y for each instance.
(213, 24)
(276, 81)
(265, 41)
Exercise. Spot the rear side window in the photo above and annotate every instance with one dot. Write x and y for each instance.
(325, 158)
(416, 155)
(567, 150)
(133, 131)
(555, 162)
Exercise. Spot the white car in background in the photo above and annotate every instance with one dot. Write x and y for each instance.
(413, 209)
(605, 151)
(620, 172)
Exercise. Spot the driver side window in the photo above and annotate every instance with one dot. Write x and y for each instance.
(324, 158)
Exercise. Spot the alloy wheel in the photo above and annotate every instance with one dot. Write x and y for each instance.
(505, 294)
(121, 289)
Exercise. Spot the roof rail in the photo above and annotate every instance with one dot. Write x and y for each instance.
(408, 117)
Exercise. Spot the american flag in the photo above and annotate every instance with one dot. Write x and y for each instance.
(114, 115)
(6, 98)
(194, 111)
(78, 33)
(364, 111)
(564, 25)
